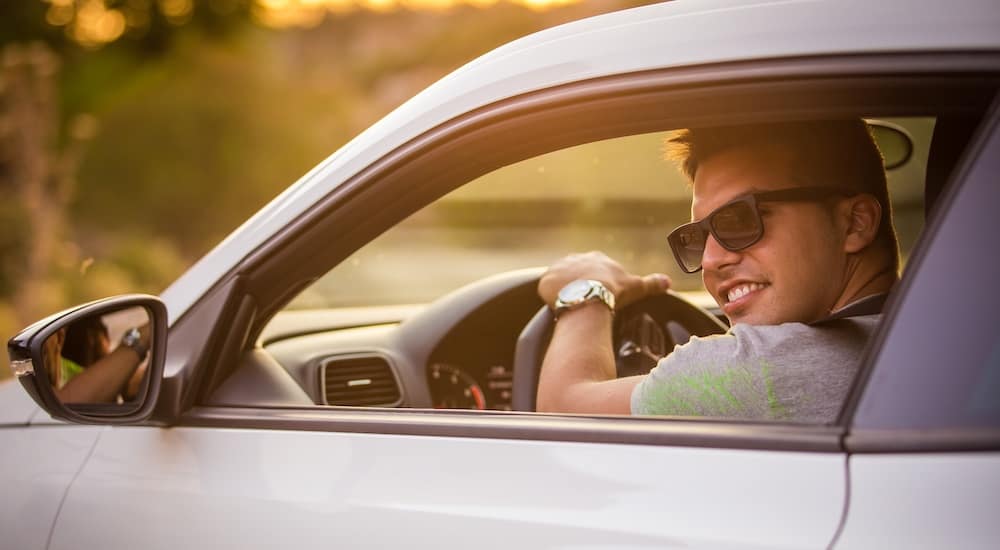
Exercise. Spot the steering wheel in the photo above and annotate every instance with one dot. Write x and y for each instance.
(671, 313)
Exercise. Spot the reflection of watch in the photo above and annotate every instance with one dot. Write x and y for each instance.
(583, 291)
(132, 339)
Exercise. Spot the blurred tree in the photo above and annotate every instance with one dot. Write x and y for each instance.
(33, 171)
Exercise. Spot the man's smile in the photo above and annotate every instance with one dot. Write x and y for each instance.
(736, 294)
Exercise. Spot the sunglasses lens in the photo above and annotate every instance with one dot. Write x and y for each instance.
(688, 243)
(736, 226)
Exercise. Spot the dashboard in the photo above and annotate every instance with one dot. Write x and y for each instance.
(473, 365)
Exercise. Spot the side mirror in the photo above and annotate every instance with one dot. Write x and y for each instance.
(99, 363)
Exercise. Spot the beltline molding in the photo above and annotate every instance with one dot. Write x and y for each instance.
(532, 427)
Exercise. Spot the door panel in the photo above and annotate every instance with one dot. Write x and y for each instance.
(923, 501)
(37, 466)
(212, 488)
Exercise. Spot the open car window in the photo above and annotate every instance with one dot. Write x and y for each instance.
(618, 195)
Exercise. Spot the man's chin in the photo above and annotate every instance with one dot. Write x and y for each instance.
(754, 318)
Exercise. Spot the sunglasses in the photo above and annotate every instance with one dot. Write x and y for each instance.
(735, 225)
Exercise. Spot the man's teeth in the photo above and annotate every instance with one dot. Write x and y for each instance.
(738, 292)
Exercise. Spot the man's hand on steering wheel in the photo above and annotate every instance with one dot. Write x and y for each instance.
(626, 287)
(578, 372)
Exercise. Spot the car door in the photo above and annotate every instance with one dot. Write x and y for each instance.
(925, 439)
(213, 487)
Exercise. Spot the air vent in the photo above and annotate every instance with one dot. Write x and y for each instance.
(359, 382)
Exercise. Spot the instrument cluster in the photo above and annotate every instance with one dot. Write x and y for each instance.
(480, 387)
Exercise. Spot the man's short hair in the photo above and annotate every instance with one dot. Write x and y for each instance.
(840, 153)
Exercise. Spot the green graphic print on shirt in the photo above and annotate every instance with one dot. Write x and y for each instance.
(738, 391)
(790, 372)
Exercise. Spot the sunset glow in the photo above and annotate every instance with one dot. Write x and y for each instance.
(308, 13)
(93, 23)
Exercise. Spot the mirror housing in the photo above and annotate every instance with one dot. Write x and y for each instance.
(38, 360)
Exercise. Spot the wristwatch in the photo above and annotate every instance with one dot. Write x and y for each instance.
(132, 339)
(580, 292)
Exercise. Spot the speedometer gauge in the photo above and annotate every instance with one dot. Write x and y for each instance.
(451, 388)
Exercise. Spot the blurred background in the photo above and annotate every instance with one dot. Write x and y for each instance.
(136, 134)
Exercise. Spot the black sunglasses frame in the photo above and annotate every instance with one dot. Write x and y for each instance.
(809, 193)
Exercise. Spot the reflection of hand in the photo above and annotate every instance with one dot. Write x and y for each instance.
(626, 287)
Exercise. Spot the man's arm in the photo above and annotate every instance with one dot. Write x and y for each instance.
(101, 381)
(578, 373)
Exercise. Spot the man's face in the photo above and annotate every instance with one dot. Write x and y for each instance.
(798, 269)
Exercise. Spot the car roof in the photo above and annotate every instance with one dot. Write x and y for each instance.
(683, 33)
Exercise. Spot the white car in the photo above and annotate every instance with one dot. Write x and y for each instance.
(311, 382)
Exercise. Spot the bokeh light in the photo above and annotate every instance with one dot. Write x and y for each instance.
(94, 23)
(308, 13)
(177, 12)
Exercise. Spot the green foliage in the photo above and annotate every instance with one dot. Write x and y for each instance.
(193, 143)
(128, 263)
(209, 140)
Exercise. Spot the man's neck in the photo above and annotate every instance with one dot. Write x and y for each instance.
(879, 282)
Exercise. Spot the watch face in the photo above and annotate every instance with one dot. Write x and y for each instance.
(574, 291)
(131, 337)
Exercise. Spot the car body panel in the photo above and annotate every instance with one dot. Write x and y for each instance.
(37, 466)
(240, 488)
(16, 406)
(658, 37)
(950, 501)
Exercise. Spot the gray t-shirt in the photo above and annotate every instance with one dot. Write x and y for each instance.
(792, 372)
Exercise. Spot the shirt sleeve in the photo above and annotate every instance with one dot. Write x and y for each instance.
(718, 376)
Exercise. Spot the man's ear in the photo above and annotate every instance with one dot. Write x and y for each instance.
(864, 217)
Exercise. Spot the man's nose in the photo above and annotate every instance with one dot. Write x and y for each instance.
(716, 257)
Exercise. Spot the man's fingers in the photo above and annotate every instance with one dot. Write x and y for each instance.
(626, 287)
(656, 283)
(641, 287)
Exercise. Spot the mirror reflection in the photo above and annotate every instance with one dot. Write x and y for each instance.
(100, 359)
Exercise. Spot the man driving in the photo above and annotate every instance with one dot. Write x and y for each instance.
(793, 236)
